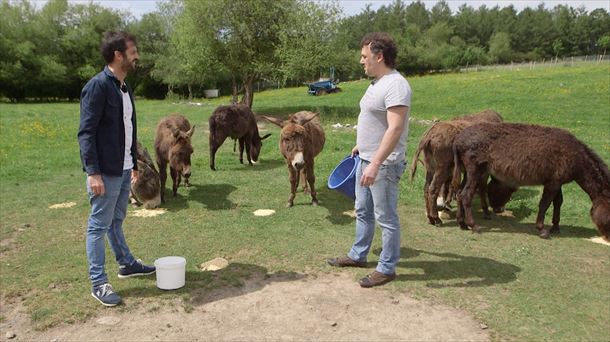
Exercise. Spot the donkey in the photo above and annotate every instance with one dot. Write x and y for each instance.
(147, 188)
(238, 122)
(173, 147)
(436, 143)
(520, 154)
(302, 138)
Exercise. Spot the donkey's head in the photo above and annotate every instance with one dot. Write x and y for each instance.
(600, 214)
(180, 152)
(294, 138)
(499, 194)
(257, 144)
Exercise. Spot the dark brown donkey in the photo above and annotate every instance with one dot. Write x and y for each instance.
(238, 122)
(519, 154)
(173, 147)
(302, 138)
(436, 144)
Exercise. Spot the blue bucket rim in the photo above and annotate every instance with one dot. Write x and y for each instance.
(356, 162)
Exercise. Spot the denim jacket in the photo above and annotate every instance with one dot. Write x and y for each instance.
(101, 134)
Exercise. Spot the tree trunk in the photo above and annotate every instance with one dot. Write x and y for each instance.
(248, 85)
(190, 87)
(234, 90)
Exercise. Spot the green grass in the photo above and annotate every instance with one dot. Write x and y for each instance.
(521, 286)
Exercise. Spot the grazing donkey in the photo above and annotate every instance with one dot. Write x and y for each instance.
(520, 154)
(302, 138)
(238, 122)
(436, 144)
(146, 189)
(173, 147)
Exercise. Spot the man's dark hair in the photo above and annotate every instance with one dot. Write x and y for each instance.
(381, 42)
(115, 41)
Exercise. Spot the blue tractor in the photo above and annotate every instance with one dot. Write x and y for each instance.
(325, 86)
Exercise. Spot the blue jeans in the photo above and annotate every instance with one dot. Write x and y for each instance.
(378, 202)
(107, 215)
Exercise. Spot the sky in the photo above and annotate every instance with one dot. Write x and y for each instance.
(352, 7)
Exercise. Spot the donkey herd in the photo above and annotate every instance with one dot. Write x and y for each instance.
(477, 153)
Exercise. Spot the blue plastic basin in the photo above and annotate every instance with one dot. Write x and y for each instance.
(343, 177)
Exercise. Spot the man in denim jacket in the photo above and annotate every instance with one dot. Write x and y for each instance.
(107, 137)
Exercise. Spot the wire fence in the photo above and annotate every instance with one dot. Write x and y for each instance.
(545, 63)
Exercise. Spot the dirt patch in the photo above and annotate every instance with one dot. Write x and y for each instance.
(327, 307)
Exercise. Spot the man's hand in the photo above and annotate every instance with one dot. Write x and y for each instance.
(96, 184)
(369, 174)
(135, 174)
(355, 151)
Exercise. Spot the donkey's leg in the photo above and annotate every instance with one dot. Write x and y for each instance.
(294, 183)
(311, 179)
(459, 215)
(482, 186)
(467, 195)
(162, 178)
(241, 150)
(548, 194)
(429, 176)
(303, 181)
(216, 141)
(557, 201)
(175, 180)
(248, 144)
(441, 174)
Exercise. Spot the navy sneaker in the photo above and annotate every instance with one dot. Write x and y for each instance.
(105, 295)
(135, 269)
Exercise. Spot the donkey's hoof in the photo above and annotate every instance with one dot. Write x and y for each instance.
(555, 229)
(289, 204)
(544, 234)
(314, 203)
(463, 226)
(476, 229)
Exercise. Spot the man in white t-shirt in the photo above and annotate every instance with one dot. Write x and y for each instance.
(381, 142)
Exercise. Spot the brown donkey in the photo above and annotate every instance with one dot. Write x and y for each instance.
(436, 144)
(519, 154)
(173, 147)
(302, 138)
(146, 189)
(238, 122)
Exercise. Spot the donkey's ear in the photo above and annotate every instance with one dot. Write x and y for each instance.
(273, 120)
(265, 136)
(303, 120)
(191, 131)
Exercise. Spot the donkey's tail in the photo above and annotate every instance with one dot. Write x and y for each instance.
(423, 143)
(457, 174)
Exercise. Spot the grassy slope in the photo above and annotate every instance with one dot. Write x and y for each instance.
(521, 286)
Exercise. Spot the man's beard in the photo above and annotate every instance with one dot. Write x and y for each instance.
(129, 66)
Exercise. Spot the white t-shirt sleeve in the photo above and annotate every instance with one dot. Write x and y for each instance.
(398, 94)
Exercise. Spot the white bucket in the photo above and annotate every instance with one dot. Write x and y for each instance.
(171, 272)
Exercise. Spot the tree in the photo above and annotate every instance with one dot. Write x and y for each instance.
(242, 36)
(499, 47)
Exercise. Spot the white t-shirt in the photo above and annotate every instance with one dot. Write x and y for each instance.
(127, 113)
(389, 91)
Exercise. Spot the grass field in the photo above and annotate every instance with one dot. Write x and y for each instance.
(521, 286)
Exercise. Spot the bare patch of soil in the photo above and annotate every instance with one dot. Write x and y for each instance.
(326, 307)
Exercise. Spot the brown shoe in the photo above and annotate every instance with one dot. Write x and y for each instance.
(345, 262)
(376, 279)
